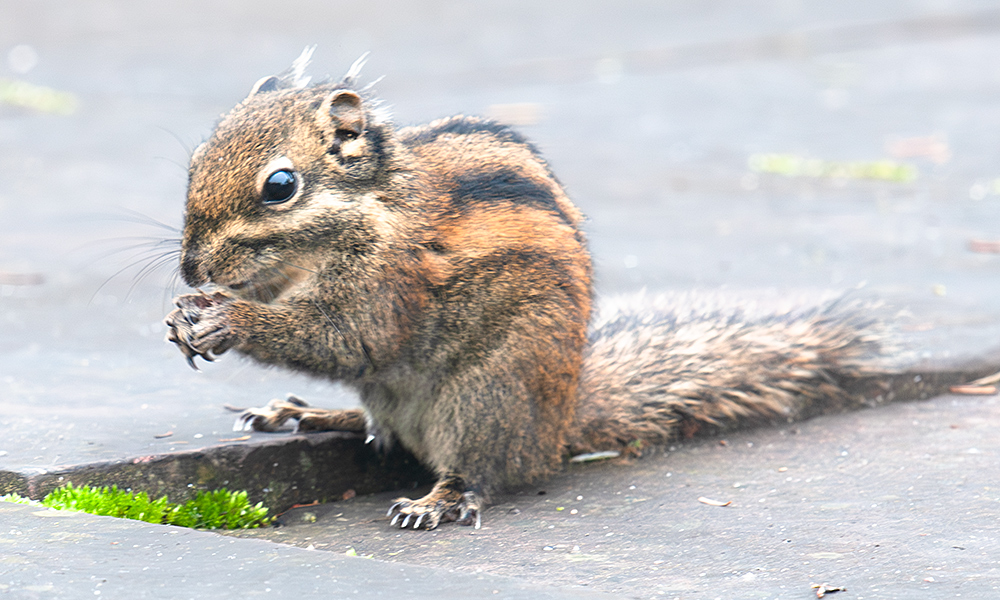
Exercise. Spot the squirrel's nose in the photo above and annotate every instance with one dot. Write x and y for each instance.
(192, 272)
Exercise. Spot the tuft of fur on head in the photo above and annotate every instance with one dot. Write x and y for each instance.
(294, 77)
(297, 72)
(351, 78)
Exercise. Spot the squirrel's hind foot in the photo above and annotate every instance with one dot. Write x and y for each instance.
(448, 501)
(272, 416)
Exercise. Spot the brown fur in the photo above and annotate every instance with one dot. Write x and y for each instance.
(441, 271)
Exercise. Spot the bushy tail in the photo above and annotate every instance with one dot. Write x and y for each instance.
(672, 367)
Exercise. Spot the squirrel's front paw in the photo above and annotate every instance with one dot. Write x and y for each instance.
(444, 503)
(200, 325)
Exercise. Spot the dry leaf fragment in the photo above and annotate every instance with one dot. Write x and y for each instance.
(973, 390)
(824, 589)
(934, 147)
(711, 502)
(984, 246)
(160, 436)
(592, 456)
(7, 278)
(988, 380)
(242, 438)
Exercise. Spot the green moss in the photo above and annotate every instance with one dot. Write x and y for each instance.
(16, 499)
(109, 501)
(218, 509)
(40, 98)
(792, 165)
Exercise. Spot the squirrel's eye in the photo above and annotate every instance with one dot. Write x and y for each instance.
(279, 187)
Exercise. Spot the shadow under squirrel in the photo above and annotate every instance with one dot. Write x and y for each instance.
(441, 271)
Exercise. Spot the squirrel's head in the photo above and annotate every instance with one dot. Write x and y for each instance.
(289, 177)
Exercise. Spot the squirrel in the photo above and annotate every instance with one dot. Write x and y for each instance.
(441, 271)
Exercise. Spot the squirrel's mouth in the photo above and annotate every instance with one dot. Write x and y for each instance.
(268, 285)
(265, 292)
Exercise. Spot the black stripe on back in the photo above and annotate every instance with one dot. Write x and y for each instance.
(502, 186)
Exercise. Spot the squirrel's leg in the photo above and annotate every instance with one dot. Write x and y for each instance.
(276, 413)
(449, 500)
(207, 325)
(488, 430)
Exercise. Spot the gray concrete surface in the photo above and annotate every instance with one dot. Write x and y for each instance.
(648, 112)
(894, 503)
(61, 554)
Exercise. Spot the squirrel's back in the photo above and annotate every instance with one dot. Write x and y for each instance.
(492, 188)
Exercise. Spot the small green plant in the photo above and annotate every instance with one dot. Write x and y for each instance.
(16, 499)
(218, 509)
(110, 502)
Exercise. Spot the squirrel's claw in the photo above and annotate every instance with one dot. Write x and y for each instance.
(257, 419)
(435, 508)
(198, 327)
(468, 514)
(183, 345)
(271, 416)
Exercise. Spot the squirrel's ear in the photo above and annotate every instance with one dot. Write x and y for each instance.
(291, 78)
(343, 111)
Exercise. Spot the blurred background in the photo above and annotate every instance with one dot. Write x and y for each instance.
(748, 145)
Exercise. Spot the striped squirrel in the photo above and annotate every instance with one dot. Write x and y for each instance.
(442, 272)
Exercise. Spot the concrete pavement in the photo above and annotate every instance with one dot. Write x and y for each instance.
(895, 503)
(61, 554)
(649, 114)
